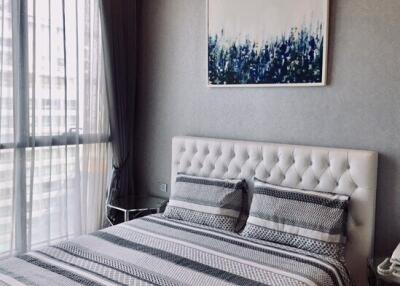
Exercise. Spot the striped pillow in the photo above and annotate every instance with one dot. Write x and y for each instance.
(207, 201)
(308, 220)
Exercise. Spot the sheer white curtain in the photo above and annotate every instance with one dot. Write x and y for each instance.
(54, 129)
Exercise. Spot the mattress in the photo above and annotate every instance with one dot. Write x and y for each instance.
(157, 251)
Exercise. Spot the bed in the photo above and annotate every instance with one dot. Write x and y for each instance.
(158, 251)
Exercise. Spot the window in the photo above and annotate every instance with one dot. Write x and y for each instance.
(54, 129)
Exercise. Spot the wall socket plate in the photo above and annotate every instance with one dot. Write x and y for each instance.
(163, 187)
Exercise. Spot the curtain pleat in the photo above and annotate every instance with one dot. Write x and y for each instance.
(54, 126)
(20, 70)
(31, 118)
(118, 18)
(49, 187)
(1, 62)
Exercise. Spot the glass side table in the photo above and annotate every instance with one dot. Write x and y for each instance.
(376, 279)
(132, 208)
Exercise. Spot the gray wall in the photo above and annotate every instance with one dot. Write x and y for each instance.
(360, 108)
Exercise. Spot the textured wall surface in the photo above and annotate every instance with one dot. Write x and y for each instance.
(360, 108)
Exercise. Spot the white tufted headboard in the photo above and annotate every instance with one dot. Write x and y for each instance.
(343, 171)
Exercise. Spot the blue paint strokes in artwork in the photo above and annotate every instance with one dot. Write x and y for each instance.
(293, 58)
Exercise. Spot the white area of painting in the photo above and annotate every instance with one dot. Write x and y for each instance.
(262, 20)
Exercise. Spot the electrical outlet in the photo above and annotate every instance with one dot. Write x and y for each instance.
(163, 187)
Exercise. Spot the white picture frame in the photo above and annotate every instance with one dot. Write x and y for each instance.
(321, 18)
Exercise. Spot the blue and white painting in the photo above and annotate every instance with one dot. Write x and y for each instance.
(267, 42)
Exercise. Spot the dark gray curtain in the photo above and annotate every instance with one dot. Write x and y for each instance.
(119, 45)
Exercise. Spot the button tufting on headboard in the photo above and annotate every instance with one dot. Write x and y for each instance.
(351, 172)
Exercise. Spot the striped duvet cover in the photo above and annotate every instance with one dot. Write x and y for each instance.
(157, 251)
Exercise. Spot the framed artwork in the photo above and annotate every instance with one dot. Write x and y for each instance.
(267, 42)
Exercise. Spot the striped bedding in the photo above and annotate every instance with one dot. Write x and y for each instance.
(158, 251)
(309, 220)
(207, 201)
